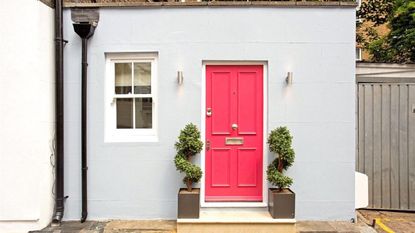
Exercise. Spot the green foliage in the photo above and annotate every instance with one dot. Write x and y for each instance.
(399, 44)
(189, 142)
(402, 36)
(277, 178)
(193, 172)
(279, 141)
(189, 145)
(380, 50)
(376, 11)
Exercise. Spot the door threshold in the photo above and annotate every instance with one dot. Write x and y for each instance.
(233, 204)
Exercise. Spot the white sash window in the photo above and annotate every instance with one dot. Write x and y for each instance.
(131, 102)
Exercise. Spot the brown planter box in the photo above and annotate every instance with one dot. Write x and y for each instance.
(281, 204)
(188, 203)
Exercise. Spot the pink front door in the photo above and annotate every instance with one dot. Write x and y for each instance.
(234, 132)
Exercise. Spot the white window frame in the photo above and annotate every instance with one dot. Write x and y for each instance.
(112, 134)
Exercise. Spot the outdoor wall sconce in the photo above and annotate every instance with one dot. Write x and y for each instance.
(289, 78)
(180, 77)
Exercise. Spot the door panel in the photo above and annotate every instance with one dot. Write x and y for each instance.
(247, 101)
(234, 130)
(247, 167)
(221, 102)
(221, 167)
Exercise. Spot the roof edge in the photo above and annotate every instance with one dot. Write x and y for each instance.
(49, 3)
(288, 4)
(385, 65)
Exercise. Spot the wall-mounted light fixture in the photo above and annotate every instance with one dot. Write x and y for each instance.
(180, 77)
(289, 78)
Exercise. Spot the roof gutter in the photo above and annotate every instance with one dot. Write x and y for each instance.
(173, 4)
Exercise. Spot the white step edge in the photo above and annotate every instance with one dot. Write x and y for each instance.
(237, 216)
(236, 220)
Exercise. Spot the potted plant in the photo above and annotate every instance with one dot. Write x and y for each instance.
(281, 200)
(188, 145)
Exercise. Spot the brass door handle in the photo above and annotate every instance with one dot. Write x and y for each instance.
(234, 126)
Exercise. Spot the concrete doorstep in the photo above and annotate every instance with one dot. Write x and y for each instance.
(162, 226)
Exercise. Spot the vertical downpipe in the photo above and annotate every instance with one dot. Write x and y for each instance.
(85, 30)
(59, 116)
(84, 130)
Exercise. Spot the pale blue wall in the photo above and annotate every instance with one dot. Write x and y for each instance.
(139, 180)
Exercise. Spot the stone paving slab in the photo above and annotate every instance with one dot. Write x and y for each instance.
(332, 227)
(163, 226)
(75, 227)
(145, 226)
(312, 226)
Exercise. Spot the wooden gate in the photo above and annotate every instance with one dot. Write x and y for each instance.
(386, 143)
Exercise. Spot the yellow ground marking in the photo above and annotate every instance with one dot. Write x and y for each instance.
(383, 226)
(396, 219)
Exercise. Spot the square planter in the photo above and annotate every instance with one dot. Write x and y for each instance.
(188, 203)
(281, 204)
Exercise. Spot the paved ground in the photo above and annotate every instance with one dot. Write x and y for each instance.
(116, 226)
(333, 227)
(387, 221)
(170, 227)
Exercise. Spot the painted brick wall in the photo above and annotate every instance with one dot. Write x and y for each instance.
(139, 180)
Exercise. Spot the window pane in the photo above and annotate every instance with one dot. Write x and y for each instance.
(143, 113)
(124, 113)
(142, 78)
(123, 78)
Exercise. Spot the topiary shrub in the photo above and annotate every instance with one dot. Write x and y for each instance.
(279, 141)
(189, 145)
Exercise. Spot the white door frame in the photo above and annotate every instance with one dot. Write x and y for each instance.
(264, 202)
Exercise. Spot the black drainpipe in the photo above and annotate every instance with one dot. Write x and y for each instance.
(60, 199)
(85, 30)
